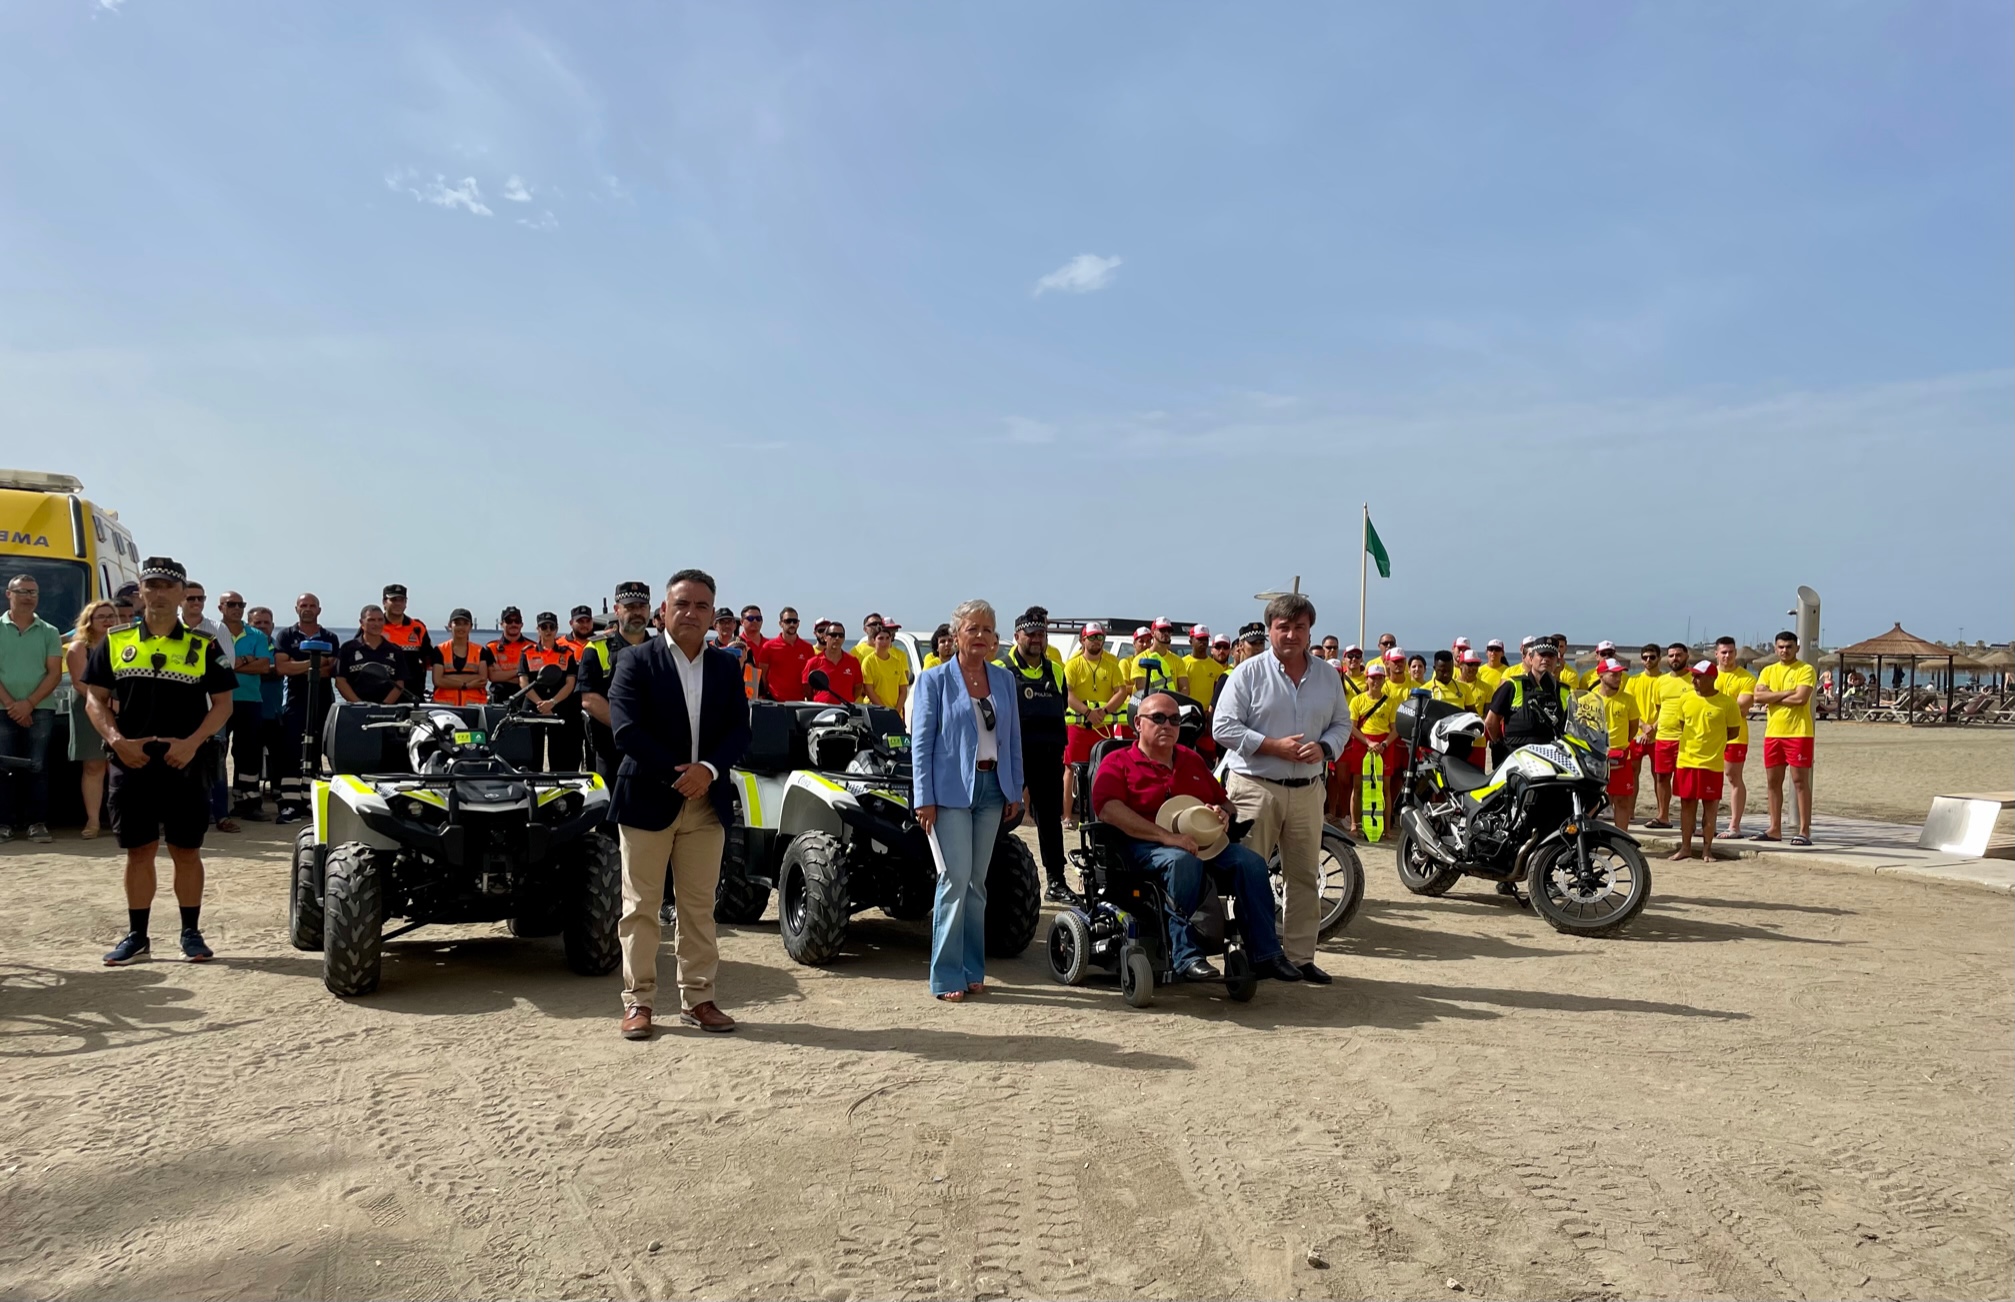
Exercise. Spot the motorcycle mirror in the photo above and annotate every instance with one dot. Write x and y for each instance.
(820, 681)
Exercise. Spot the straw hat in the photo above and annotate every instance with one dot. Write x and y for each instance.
(1190, 817)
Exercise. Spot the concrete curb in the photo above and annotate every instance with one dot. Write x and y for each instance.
(1995, 876)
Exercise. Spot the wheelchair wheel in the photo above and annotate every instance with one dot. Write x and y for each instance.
(1239, 982)
(1069, 948)
(1136, 977)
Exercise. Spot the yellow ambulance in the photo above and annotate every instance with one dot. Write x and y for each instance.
(77, 550)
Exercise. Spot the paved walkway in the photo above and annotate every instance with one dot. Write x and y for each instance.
(1859, 845)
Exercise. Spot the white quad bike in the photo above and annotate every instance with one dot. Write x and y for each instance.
(447, 829)
(823, 818)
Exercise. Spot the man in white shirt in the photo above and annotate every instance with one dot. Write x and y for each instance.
(1282, 722)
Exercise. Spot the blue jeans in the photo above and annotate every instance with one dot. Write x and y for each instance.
(1183, 872)
(959, 922)
(32, 744)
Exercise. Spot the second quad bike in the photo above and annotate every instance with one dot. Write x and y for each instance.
(447, 828)
(823, 818)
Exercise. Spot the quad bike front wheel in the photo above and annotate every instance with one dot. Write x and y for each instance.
(304, 898)
(353, 920)
(738, 900)
(594, 907)
(813, 906)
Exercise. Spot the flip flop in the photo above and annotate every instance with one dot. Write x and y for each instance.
(953, 996)
(1799, 840)
(1765, 836)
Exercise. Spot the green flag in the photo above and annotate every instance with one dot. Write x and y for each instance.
(1376, 549)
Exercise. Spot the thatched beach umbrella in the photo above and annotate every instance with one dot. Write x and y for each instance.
(1898, 644)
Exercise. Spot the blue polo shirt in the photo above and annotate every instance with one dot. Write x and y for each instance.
(251, 642)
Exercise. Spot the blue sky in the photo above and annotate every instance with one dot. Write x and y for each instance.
(1623, 318)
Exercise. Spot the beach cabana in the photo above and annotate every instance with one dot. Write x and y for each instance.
(1895, 646)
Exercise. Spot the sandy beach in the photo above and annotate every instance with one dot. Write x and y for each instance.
(1780, 1084)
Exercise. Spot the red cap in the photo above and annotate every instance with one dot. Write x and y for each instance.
(1093, 629)
(1612, 666)
(1200, 633)
(1469, 657)
(1396, 655)
(1706, 669)
(1374, 670)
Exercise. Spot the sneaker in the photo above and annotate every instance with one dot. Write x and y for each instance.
(193, 947)
(289, 814)
(1059, 892)
(130, 950)
(39, 833)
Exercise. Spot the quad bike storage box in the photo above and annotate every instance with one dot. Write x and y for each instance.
(351, 748)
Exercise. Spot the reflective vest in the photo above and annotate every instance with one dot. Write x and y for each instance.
(406, 636)
(1535, 719)
(507, 654)
(136, 656)
(470, 660)
(1042, 698)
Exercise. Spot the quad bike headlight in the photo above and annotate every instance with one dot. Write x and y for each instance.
(418, 811)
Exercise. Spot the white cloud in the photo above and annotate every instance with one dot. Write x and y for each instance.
(1022, 430)
(516, 190)
(109, 6)
(465, 194)
(545, 221)
(1081, 275)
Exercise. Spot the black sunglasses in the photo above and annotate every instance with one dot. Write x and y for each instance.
(1165, 720)
(788, 621)
(987, 711)
(230, 603)
(836, 632)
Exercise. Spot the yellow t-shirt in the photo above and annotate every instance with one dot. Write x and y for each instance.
(1204, 674)
(1569, 679)
(1353, 684)
(1624, 717)
(1644, 687)
(1515, 670)
(931, 660)
(1375, 719)
(1788, 720)
(1454, 692)
(1490, 676)
(1732, 684)
(1673, 689)
(863, 649)
(885, 676)
(1704, 725)
(1094, 681)
(1479, 695)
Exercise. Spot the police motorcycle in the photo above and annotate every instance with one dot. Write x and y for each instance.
(449, 827)
(1537, 819)
(822, 801)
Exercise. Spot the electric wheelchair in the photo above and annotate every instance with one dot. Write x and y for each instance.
(1121, 925)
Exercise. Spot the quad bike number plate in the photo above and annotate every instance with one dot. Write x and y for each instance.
(470, 738)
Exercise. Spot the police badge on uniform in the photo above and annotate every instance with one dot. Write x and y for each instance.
(1028, 693)
(129, 653)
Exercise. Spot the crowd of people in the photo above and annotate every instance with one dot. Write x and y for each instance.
(996, 726)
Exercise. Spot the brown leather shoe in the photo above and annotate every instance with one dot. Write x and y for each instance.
(637, 1023)
(707, 1017)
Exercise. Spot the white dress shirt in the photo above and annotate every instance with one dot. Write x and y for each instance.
(1260, 701)
(693, 678)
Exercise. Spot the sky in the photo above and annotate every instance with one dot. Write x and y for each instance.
(1625, 320)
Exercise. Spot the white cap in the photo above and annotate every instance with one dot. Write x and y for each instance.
(1201, 633)
(1604, 647)
(1141, 632)
(1525, 642)
(1093, 629)
(1612, 666)
(1374, 670)
(1461, 644)
(1164, 622)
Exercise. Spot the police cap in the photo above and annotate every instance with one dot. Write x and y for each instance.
(580, 611)
(395, 589)
(511, 615)
(163, 567)
(547, 619)
(460, 612)
(632, 591)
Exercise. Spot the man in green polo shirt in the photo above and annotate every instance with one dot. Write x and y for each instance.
(31, 664)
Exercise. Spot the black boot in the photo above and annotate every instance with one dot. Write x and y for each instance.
(1059, 892)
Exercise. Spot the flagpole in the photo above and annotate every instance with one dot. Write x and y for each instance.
(1363, 559)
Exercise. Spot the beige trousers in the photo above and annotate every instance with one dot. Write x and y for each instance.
(692, 848)
(1291, 818)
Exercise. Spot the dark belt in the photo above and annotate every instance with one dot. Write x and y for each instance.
(1289, 783)
(986, 766)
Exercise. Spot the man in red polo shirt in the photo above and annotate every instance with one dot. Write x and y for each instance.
(782, 660)
(842, 671)
(1129, 790)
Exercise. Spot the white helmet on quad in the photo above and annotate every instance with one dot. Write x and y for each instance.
(832, 739)
(443, 734)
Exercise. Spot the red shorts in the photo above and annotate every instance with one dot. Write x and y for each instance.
(1352, 759)
(1664, 757)
(1367, 762)
(1078, 744)
(1735, 752)
(1696, 784)
(1638, 752)
(1622, 776)
(1787, 752)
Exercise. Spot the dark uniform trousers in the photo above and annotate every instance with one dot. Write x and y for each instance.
(562, 741)
(1042, 769)
(287, 770)
(250, 733)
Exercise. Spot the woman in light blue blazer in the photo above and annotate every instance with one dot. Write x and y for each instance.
(965, 752)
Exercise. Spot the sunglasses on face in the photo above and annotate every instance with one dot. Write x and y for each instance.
(1165, 720)
(836, 632)
(792, 622)
(230, 604)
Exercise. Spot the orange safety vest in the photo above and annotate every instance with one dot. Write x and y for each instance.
(406, 636)
(455, 664)
(536, 657)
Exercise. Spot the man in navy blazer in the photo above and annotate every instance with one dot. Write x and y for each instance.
(670, 800)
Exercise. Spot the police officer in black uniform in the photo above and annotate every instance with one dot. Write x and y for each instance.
(157, 692)
(1040, 691)
(1530, 708)
(297, 650)
(598, 668)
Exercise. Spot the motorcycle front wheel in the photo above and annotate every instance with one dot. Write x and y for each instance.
(1598, 900)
